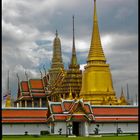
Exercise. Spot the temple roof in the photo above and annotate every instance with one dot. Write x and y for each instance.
(27, 115)
(32, 88)
(70, 111)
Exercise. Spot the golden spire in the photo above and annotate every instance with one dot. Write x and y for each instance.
(57, 56)
(122, 93)
(122, 98)
(73, 63)
(96, 52)
(8, 101)
(70, 95)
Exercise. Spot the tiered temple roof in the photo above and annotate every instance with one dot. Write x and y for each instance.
(70, 110)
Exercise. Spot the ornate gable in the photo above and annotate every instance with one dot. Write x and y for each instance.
(78, 108)
(70, 110)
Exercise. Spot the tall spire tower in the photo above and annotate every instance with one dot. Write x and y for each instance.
(96, 54)
(97, 80)
(73, 57)
(57, 62)
(73, 78)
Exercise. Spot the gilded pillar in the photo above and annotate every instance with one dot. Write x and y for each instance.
(32, 103)
(20, 103)
(25, 103)
(40, 102)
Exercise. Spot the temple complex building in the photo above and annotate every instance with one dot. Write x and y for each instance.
(94, 84)
(71, 102)
(31, 93)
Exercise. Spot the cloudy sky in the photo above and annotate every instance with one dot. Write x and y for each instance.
(28, 30)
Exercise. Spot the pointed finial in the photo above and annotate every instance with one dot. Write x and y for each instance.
(56, 33)
(18, 77)
(26, 76)
(73, 58)
(127, 93)
(70, 95)
(41, 74)
(122, 94)
(44, 69)
(73, 34)
(8, 82)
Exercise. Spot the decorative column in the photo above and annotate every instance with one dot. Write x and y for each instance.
(20, 103)
(25, 103)
(86, 129)
(32, 103)
(40, 102)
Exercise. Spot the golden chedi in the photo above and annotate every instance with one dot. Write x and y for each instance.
(97, 86)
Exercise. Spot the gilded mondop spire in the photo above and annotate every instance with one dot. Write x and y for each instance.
(96, 52)
(57, 56)
(73, 57)
(57, 63)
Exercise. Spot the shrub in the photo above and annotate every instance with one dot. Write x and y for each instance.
(44, 132)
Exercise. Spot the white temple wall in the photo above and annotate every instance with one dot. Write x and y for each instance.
(128, 127)
(84, 129)
(19, 129)
(58, 126)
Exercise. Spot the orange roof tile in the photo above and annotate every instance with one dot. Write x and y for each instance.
(79, 118)
(60, 118)
(36, 83)
(56, 108)
(24, 86)
(24, 121)
(24, 113)
(115, 120)
(115, 111)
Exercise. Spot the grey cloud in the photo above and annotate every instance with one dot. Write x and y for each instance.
(29, 28)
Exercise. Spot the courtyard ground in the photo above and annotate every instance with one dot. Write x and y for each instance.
(135, 137)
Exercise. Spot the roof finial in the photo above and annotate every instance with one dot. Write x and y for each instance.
(44, 69)
(56, 33)
(26, 76)
(122, 94)
(8, 89)
(41, 73)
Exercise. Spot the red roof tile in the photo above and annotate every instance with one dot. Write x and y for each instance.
(56, 108)
(24, 113)
(24, 121)
(36, 83)
(24, 86)
(79, 118)
(58, 118)
(115, 111)
(115, 119)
